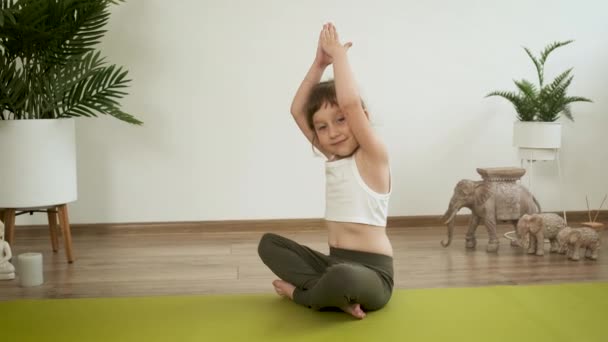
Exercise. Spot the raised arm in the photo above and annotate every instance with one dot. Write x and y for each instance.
(348, 96)
(298, 110)
(312, 78)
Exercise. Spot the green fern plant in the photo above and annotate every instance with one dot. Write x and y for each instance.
(545, 102)
(49, 68)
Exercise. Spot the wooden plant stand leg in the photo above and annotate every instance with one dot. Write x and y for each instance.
(52, 215)
(67, 234)
(9, 225)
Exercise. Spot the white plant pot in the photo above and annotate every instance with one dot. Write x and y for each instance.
(38, 165)
(537, 140)
(537, 134)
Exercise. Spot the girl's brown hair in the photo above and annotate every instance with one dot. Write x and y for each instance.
(322, 94)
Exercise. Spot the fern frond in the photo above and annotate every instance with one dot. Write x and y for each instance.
(538, 65)
(557, 82)
(527, 88)
(571, 99)
(556, 102)
(568, 113)
(551, 97)
(545, 54)
(546, 102)
(525, 111)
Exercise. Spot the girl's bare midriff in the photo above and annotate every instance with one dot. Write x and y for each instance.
(359, 237)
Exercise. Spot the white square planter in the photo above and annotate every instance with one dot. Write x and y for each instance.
(38, 165)
(537, 140)
(537, 134)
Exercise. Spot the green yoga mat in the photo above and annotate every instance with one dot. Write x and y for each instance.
(568, 312)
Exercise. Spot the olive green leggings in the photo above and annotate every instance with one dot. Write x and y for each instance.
(329, 281)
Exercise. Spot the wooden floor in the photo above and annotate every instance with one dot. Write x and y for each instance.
(144, 262)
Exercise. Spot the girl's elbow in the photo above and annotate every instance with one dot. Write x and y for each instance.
(349, 107)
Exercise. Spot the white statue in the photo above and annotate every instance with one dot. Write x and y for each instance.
(7, 270)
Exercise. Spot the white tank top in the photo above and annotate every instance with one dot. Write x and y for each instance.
(349, 199)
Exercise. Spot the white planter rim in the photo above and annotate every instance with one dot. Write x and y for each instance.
(538, 122)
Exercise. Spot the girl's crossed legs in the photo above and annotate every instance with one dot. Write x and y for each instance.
(350, 280)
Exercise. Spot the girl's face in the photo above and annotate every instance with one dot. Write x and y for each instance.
(333, 132)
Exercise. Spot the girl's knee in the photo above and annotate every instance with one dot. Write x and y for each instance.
(264, 244)
(267, 244)
(268, 238)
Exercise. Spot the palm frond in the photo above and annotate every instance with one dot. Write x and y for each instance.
(6, 14)
(99, 94)
(22, 37)
(83, 23)
(57, 29)
(12, 87)
(120, 115)
(49, 67)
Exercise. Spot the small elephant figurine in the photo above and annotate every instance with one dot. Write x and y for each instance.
(570, 240)
(532, 230)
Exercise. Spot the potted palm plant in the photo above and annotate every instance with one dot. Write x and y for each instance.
(538, 107)
(51, 73)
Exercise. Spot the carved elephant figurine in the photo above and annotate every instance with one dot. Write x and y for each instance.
(532, 230)
(571, 240)
(489, 202)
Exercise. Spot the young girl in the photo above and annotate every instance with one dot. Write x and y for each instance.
(357, 275)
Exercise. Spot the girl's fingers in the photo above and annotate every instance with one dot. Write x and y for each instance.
(333, 32)
(327, 34)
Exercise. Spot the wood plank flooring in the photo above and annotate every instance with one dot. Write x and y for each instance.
(149, 262)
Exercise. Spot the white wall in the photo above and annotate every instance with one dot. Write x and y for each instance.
(213, 81)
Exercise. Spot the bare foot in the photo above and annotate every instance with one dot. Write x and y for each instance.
(355, 310)
(283, 288)
(286, 289)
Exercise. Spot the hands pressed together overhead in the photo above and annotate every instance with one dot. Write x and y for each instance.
(329, 45)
